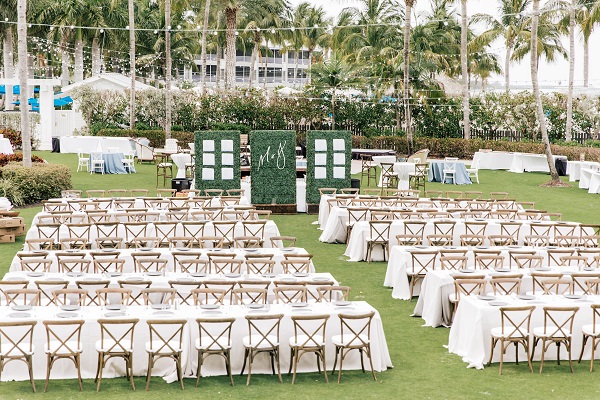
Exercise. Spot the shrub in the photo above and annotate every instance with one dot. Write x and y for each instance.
(439, 148)
(156, 137)
(17, 157)
(14, 136)
(39, 182)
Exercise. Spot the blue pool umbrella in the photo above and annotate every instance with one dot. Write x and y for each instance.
(17, 89)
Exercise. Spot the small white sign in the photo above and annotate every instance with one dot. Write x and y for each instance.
(208, 145)
(208, 174)
(320, 145)
(226, 145)
(208, 159)
(227, 158)
(339, 172)
(320, 159)
(339, 159)
(227, 174)
(320, 173)
(339, 145)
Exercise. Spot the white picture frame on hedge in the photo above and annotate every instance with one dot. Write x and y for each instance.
(320, 173)
(208, 145)
(339, 159)
(320, 159)
(208, 159)
(208, 174)
(227, 174)
(227, 158)
(320, 145)
(339, 145)
(227, 145)
(339, 172)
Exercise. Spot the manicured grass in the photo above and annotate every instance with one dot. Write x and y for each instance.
(422, 366)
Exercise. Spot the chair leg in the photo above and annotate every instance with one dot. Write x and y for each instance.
(99, 371)
(250, 359)
(199, 368)
(295, 362)
(150, 363)
(245, 359)
(337, 349)
(322, 353)
(341, 365)
(584, 342)
(492, 352)
(77, 360)
(179, 371)
(30, 369)
(362, 361)
(291, 360)
(570, 360)
(228, 366)
(49, 366)
(371, 362)
(130, 364)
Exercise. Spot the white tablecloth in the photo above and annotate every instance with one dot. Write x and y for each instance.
(300, 193)
(400, 262)
(324, 210)
(531, 163)
(377, 160)
(493, 159)
(574, 168)
(180, 159)
(125, 254)
(470, 333)
(213, 365)
(5, 146)
(73, 144)
(357, 243)
(403, 169)
(589, 179)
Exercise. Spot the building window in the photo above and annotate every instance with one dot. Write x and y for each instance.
(242, 72)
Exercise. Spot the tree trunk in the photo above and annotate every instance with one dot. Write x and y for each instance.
(231, 24)
(536, 91)
(9, 66)
(168, 69)
(464, 70)
(297, 64)
(24, 107)
(95, 56)
(78, 74)
(569, 127)
(333, 110)
(203, 45)
(308, 76)
(219, 51)
(586, 61)
(509, 46)
(255, 50)
(266, 64)
(407, 119)
(64, 63)
(131, 12)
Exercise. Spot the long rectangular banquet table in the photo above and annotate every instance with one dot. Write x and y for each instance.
(73, 144)
(434, 305)
(574, 168)
(590, 180)
(515, 162)
(209, 230)
(213, 365)
(399, 264)
(357, 243)
(470, 333)
(125, 254)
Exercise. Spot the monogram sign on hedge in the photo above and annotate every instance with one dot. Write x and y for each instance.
(217, 160)
(273, 163)
(328, 156)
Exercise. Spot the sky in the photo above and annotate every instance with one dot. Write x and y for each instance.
(555, 74)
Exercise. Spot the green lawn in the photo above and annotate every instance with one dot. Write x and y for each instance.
(422, 366)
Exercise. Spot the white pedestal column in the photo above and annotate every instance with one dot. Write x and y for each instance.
(46, 117)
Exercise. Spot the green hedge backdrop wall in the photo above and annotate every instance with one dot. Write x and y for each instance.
(327, 153)
(273, 163)
(223, 162)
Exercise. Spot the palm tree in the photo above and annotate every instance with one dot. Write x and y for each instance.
(407, 117)
(23, 57)
(168, 72)
(203, 44)
(569, 127)
(464, 69)
(315, 33)
(511, 27)
(587, 15)
(131, 14)
(332, 76)
(534, 59)
(8, 10)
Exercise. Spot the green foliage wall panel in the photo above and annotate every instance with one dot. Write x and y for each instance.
(328, 155)
(217, 160)
(273, 161)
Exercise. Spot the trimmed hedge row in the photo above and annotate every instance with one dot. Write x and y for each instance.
(40, 182)
(465, 149)
(17, 157)
(156, 137)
